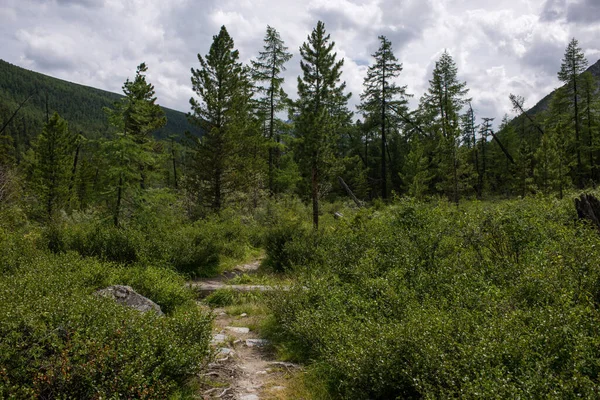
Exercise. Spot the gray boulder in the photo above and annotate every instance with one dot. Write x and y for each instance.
(127, 296)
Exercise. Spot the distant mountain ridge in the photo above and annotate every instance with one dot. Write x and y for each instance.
(82, 106)
(544, 103)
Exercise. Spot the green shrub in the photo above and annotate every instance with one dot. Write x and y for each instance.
(102, 240)
(58, 340)
(489, 300)
(288, 244)
(164, 286)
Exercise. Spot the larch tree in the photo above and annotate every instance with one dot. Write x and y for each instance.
(469, 129)
(573, 65)
(383, 99)
(267, 69)
(131, 152)
(321, 109)
(222, 85)
(442, 104)
(555, 165)
(52, 164)
(590, 120)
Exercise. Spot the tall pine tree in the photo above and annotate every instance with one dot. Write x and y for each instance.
(441, 105)
(573, 65)
(223, 87)
(267, 69)
(130, 153)
(321, 109)
(52, 165)
(383, 99)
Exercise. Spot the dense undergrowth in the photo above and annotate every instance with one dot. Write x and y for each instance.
(59, 340)
(416, 300)
(408, 300)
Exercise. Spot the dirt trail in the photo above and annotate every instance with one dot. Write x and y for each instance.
(245, 367)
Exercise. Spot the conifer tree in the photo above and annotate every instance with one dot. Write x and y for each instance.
(321, 109)
(573, 65)
(52, 164)
(383, 99)
(417, 170)
(555, 159)
(224, 90)
(130, 153)
(268, 68)
(441, 106)
(590, 120)
(469, 129)
(137, 113)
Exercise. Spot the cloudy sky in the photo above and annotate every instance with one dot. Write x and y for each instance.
(500, 46)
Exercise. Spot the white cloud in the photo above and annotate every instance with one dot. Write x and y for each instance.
(499, 46)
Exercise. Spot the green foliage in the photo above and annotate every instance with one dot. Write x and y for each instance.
(57, 339)
(421, 300)
(228, 155)
(158, 235)
(287, 245)
(441, 107)
(383, 101)
(131, 151)
(137, 113)
(322, 113)
(50, 171)
(267, 70)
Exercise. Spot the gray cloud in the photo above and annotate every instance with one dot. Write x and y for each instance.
(554, 10)
(544, 57)
(81, 3)
(499, 46)
(584, 11)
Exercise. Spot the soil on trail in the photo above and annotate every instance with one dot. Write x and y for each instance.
(245, 367)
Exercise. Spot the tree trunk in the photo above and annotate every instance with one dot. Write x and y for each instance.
(174, 164)
(271, 131)
(119, 196)
(590, 136)
(315, 195)
(217, 193)
(455, 172)
(347, 189)
(74, 171)
(577, 142)
(383, 142)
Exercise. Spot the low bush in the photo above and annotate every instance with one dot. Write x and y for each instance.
(200, 248)
(489, 300)
(104, 241)
(288, 244)
(58, 340)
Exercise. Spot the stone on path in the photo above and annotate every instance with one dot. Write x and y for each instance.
(218, 338)
(249, 397)
(257, 342)
(237, 329)
(226, 351)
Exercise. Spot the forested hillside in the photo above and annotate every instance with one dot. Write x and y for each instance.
(81, 105)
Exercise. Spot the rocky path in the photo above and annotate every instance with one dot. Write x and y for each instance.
(245, 367)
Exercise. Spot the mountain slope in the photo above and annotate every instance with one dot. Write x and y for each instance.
(544, 103)
(81, 106)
